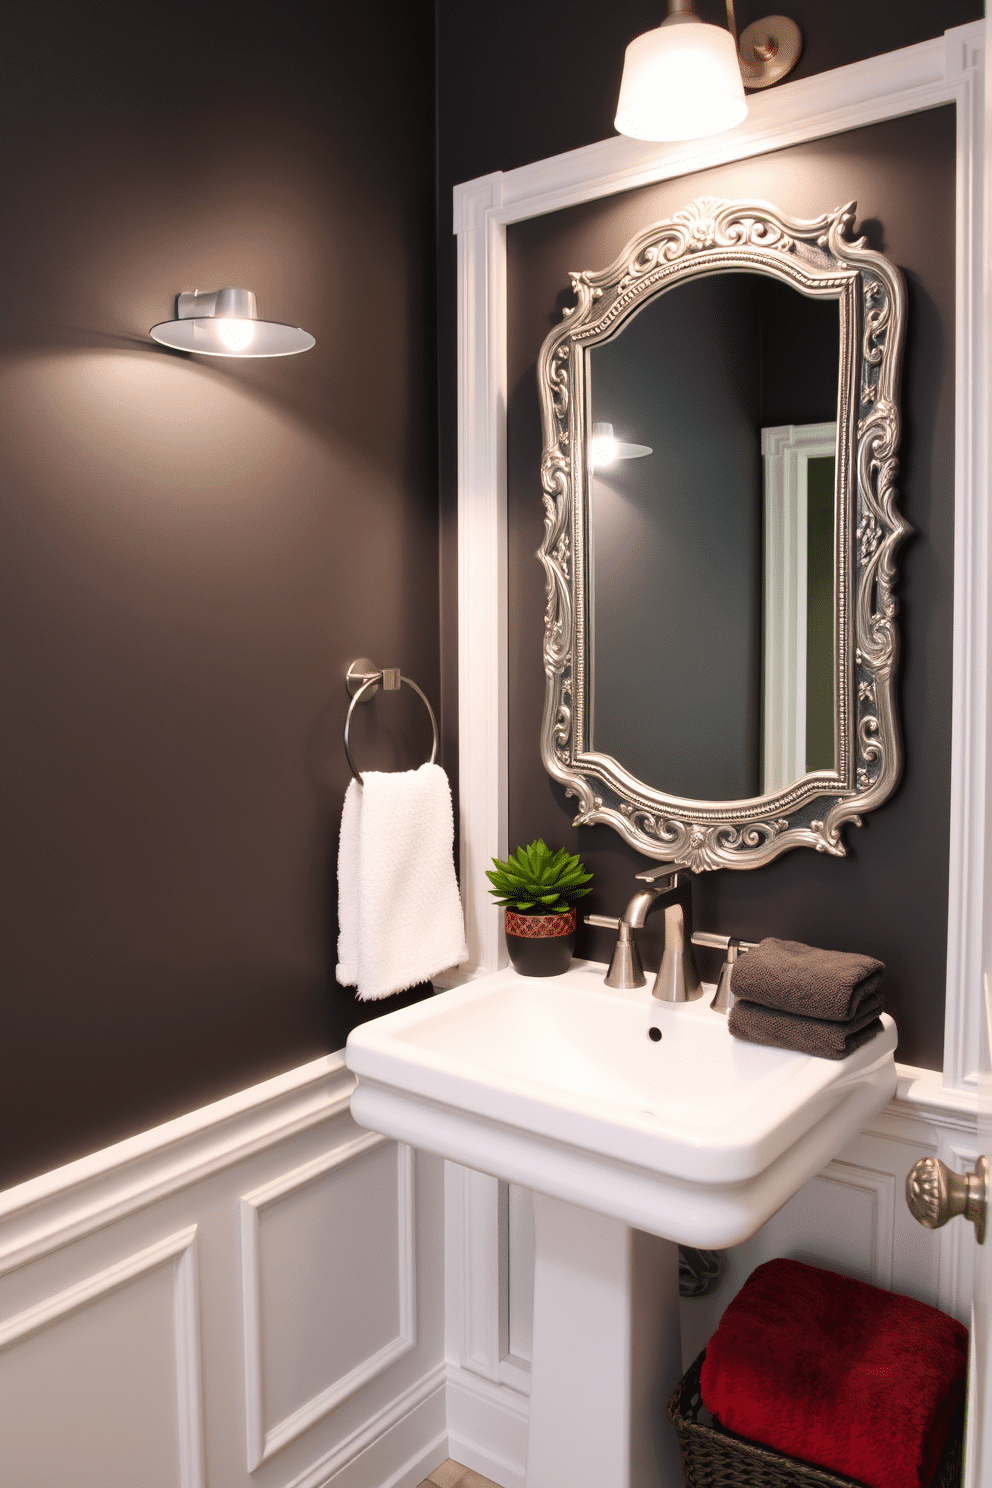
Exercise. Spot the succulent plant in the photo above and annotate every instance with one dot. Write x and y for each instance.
(533, 879)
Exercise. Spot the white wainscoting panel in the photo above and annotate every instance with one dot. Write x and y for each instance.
(259, 1271)
(347, 1215)
(100, 1383)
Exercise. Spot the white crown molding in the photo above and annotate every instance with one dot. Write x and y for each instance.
(47, 1212)
(946, 70)
(179, 1251)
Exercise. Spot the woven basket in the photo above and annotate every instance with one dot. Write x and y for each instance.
(713, 1457)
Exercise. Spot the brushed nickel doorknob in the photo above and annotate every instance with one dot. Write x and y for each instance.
(935, 1194)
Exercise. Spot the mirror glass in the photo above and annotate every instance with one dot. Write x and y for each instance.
(711, 518)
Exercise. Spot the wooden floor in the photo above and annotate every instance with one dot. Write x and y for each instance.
(452, 1474)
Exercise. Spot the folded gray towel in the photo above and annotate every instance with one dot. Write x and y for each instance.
(801, 979)
(825, 1038)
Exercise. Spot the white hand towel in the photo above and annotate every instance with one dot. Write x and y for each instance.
(399, 913)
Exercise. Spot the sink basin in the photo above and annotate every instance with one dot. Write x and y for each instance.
(636, 1125)
(555, 1083)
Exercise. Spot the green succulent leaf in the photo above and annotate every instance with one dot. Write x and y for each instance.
(535, 878)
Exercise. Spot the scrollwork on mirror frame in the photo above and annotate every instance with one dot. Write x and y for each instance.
(819, 258)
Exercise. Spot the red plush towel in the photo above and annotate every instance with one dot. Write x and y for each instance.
(837, 1373)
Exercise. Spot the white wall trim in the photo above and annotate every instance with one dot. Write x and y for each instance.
(946, 70)
(487, 1426)
(482, 598)
(47, 1212)
(970, 853)
(179, 1251)
(957, 1241)
(473, 1333)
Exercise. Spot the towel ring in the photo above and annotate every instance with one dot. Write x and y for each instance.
(363, 680)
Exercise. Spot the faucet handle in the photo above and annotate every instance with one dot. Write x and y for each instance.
(664, 870)
(721, 942)
(625, 970)
(723, 998)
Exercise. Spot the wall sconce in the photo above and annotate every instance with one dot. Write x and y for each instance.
(224, 322)
(605, 449)
(685, 80)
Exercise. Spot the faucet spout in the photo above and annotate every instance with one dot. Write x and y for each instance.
(677, 979)
(678, 976)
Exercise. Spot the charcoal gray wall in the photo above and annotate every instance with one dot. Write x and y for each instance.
(192, 551)
(499, 107)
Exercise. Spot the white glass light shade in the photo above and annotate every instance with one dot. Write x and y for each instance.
(681, 81)
(224, 322)
(605, 449)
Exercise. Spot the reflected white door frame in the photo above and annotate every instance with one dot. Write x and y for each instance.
(786, 452)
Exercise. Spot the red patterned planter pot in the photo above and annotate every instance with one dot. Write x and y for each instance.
(540, 944)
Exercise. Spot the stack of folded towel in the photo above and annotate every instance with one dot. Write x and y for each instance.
(794, 996)
(840, 1374)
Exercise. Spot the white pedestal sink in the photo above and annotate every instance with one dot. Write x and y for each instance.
(631, 1144)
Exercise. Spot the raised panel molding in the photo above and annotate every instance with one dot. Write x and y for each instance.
(882, 1187)
(179, 1252)
(264, 1442)
(74, 1240)
(45, 1213)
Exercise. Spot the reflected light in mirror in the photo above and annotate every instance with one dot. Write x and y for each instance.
(605, 449)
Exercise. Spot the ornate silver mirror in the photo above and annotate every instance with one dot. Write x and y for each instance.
(721, 425)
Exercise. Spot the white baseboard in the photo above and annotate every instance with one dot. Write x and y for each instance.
(396, 1448)
(487, 1427)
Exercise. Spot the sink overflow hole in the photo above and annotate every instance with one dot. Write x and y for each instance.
(654, 1034)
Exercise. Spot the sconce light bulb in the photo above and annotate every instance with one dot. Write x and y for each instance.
(681, 81)
(604, 451)
(235, 335)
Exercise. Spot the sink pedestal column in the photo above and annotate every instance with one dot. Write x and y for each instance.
(606, 1353)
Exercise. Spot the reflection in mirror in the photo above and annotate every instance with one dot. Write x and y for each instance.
(711, 565)
(799, 501)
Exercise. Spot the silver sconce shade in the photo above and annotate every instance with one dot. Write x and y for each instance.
(224, 322)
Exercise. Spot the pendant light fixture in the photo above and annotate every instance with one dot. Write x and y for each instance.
(224, 322)
(685, 80)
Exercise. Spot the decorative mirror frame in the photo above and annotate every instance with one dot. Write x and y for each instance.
(818, 258)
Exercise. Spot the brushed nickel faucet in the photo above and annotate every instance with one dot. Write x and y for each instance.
(677, 979)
